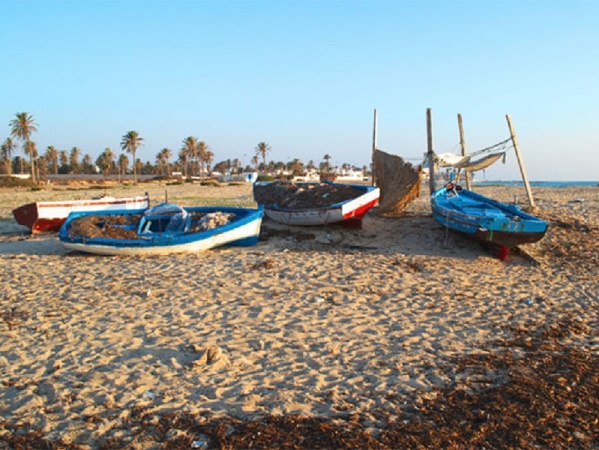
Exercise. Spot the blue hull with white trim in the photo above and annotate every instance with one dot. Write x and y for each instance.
(163, 229)
(484, 219)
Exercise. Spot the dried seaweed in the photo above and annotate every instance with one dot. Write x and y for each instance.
(548, 397)
(105, 226)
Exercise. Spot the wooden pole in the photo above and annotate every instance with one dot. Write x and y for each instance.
(374, 131)
(430, 154)
(463, 145)
(520, 162)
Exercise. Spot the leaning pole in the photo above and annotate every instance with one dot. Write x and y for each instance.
(520, 162)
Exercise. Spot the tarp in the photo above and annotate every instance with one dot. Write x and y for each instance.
(466, 162)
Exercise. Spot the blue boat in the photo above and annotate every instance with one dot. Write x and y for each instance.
(483, 219)
(163, 229)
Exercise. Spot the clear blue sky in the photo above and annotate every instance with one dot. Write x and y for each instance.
(305, 76)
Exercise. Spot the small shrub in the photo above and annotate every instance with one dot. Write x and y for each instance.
(15, 182)
(99, 187)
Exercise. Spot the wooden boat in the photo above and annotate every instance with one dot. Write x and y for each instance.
(163, 229)
(308, 204)
(49, 216)
(484, 219)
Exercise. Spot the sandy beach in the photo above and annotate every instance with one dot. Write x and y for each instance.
(348, 326)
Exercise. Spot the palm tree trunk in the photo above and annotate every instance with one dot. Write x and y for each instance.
(31, 164)
(134, 169)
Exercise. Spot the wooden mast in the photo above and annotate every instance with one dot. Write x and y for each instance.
(463, 146)
(520, 162)
(430, 154)
(374, 131)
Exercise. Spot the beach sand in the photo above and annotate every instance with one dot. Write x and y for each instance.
(357, 327)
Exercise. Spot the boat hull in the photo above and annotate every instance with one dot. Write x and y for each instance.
(350, 212)
(42, 217)
(243, 231)
(485, 220)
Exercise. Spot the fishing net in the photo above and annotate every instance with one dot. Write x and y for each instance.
(303, 196)
(398, 181)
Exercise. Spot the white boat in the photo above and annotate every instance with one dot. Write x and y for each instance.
(328, 208)
(49, 216)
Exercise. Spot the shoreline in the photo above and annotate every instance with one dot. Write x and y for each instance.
(316, 323)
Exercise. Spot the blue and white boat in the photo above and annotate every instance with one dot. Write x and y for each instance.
(484, 219)
(160, 230)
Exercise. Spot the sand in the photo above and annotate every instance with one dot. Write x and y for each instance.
(320, 322)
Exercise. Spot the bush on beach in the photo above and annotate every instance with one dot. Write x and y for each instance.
(8, 181)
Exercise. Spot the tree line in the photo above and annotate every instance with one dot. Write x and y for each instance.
(194, 158)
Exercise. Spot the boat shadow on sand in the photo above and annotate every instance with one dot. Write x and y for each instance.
(18, 243)
(412, 234)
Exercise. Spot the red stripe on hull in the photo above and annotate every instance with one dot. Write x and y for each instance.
(361, 211)
(47, 225)
(29, 215)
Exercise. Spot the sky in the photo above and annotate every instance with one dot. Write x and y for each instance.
(305, 77)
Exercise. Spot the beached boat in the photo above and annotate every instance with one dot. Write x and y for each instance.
(163, 229)
(484, 219)
(307, 204)
(49, 216)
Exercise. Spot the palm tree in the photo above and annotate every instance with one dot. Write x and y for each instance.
(202, 150)
(130, 143)
(6, 150)
(327, 165)
(87, 164)
(63, 157)
(123, 163)
(189, 152)
(261, 150)
(30, 148)
(183, 160)
(21, 128)
(74, 160)
(162, 159)
(209, 158)
(105, 161)
(296, 167)
(51, 156)
(255, 162)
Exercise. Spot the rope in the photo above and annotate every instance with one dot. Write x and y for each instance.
(501, 144)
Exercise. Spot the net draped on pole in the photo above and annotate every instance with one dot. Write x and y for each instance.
(399, 182)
